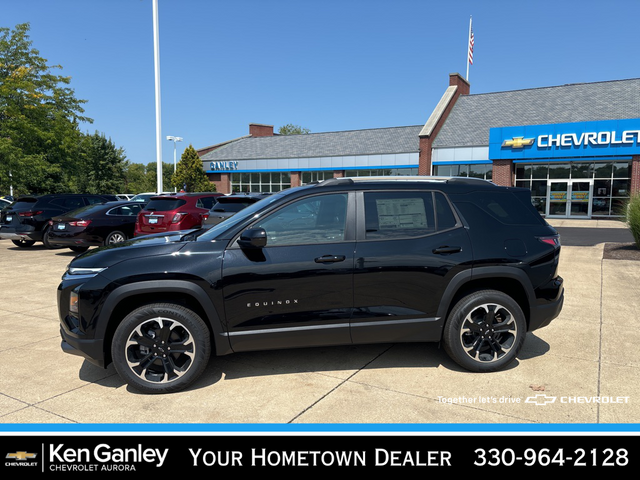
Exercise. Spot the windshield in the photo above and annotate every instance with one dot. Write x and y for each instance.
(246, 213)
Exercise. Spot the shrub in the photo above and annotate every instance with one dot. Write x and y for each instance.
(632, 216)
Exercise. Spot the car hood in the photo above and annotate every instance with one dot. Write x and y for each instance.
(146, 246)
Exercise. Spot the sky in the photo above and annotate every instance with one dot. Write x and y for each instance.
(328, 65)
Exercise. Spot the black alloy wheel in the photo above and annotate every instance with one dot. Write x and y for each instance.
(485, 331)
(161, 348)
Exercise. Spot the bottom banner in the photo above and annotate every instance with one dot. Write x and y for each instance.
(191, 454)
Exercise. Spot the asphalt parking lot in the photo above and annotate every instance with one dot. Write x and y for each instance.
(582, 369)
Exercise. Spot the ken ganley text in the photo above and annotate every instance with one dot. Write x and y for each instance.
(260, 457)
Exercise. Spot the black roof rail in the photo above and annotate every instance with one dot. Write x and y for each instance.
(404, 178)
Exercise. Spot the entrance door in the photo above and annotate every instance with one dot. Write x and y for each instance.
(569, 198)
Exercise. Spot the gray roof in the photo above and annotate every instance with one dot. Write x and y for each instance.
(375, 141)
(472, 116)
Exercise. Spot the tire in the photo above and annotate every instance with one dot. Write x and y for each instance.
(115, 237)
(23, 243)
(485, 331)
(45, 239)
(142, 342)
(79, 249)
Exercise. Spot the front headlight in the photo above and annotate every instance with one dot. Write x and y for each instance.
(85, 271)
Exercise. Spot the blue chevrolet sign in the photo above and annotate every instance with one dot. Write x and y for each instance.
(566, 140)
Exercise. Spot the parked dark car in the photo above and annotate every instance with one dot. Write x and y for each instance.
(457, 261)
(168, 213)
(94, 225)
(26, 221)
(228, 205)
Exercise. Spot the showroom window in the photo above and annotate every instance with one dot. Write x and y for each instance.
(316, 176)
(260, 182)
(381, 172)
(481, 170)
(611, 183)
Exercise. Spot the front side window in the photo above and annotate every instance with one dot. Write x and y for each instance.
(313, 220)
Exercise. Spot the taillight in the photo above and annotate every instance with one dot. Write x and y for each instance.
(29, 213)
(553, 240)
(178, 217)
(80, 223)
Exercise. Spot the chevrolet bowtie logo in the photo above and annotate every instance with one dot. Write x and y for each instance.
(540, 399)
(518, 142)
(21, 455)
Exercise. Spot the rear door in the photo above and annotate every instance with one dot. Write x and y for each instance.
(410, 245)
(298, 289)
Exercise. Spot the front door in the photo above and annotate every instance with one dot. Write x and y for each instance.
(569, 198)
(297, 290)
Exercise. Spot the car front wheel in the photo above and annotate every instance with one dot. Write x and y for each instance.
(161, 348)
(485, 331)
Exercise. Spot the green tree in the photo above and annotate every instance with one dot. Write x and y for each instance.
(40, 139)
(102, 169)
(290, 129)
(190, 174)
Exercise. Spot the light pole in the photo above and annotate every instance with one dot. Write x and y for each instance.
(174, 140)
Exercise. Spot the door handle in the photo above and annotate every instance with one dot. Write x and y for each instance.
(330, 259)
(446, 249)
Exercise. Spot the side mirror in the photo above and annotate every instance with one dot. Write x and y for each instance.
(253, 238)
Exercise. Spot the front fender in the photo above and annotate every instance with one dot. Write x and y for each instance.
(157, 287)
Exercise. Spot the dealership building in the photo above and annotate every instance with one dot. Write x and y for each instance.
(576, 147)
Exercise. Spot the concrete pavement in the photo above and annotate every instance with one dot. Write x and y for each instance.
(581, 369)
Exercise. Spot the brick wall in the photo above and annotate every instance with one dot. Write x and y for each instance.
(222, 181)
(426, 142)
(259, 130)
(296, 179)
(503, 173)
(635, 175)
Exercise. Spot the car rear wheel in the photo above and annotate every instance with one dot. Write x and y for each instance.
(161, 348)
(22, 243)
(115, 237)
(485, 331)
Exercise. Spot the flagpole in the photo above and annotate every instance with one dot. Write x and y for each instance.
(468, 46)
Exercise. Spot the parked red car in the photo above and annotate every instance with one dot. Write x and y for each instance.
(182, 211)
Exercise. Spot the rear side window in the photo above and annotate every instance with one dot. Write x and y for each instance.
(501, 206)
(206, 202)
(125, 210)
(405, 214)
(68, 203)
(164, 204)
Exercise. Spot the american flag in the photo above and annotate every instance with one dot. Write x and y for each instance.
(471, 41)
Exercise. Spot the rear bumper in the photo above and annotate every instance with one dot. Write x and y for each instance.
(12, 233)
(548, 307)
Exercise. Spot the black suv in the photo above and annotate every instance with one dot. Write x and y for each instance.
(26, 221)
(346, 261)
